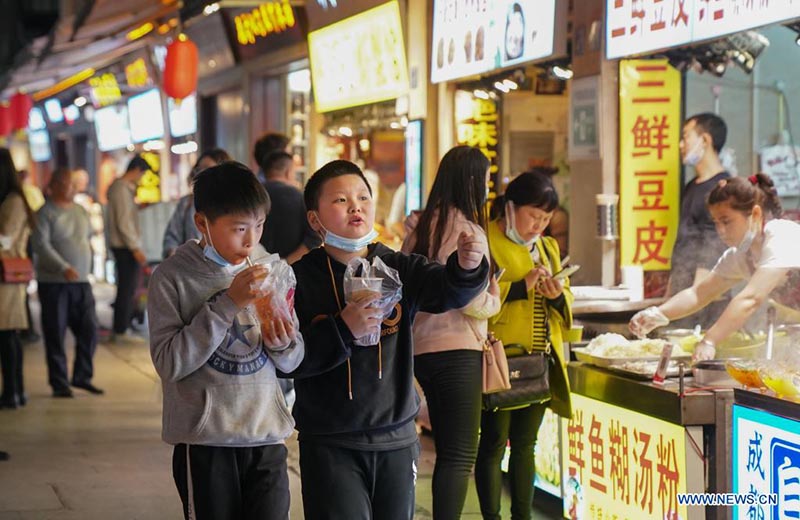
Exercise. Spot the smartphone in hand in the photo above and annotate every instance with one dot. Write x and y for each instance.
(565, 272)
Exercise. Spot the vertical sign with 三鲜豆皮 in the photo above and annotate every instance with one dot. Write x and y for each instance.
(621, 464)
(649, 164)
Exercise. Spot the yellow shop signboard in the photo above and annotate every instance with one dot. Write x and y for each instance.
(649, 164)
(621, 465)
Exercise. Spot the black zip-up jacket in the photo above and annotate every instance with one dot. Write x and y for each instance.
(323, 406)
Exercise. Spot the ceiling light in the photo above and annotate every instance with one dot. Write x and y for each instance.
(140, 31)
(561, 72)
(79, 101)
(211, 9)
(346, 131)
(501, 87)
(480, 94)
(510, 84)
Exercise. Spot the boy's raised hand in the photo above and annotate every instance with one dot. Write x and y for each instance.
(360, 318)
(469, 251)
(244, 287)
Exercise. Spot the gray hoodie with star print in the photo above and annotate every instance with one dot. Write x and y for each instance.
(218, 378)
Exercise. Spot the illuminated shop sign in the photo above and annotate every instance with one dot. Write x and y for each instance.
(478, 124)
(359, 60)
(105, 89)
(635, 27)
(471, 37)
(266, 19)
(766, 460)
(136, 74)
(649, 133)
(621, 464)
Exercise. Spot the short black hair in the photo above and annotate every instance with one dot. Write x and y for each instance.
(268, 143)
(713, 125)
(330, 171)
(228, 188)
(531, 188)
(277, 161)
(138, 163)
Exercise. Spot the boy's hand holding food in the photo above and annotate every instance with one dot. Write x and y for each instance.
(279, 333)
(245, 286)
(360, 317)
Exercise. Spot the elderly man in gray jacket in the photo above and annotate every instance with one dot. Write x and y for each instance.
(63, 258)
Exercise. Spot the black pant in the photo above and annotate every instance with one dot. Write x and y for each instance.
(452, 384)
(68, 305)
(344, 484)
(11, 365)
(218, 483)
(520, 427)
(127, 272)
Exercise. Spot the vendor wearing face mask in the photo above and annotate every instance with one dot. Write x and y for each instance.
(697, 246)
(763, 250)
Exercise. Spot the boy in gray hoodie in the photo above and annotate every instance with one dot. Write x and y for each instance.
(223, 409)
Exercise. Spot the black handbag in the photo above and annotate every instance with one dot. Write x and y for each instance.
(530, 380)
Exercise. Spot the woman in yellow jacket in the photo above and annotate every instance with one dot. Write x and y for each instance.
(535, 313)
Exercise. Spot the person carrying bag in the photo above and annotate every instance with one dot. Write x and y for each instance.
(534, 316)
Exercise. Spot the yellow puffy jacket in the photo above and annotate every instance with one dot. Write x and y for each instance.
(513, 324)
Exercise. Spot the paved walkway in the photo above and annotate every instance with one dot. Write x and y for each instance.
(101, 457)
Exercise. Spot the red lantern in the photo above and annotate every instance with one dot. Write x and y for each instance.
(180, 68)
(5, 119)
(21, 105)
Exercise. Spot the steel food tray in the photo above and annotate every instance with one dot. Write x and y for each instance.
(581, 354)
(647, 373)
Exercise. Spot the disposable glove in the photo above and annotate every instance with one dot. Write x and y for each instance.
(703, 351)
(643, 322)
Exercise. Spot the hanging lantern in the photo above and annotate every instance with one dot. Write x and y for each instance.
(21, 105)
(180, 68)
(5, 119)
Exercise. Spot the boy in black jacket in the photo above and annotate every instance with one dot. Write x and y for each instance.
(356, 405)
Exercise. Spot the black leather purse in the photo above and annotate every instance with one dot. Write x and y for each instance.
(530, 380)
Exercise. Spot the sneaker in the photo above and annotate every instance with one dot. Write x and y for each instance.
(89, 387)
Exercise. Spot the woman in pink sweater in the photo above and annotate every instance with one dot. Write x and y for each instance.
(448, 346)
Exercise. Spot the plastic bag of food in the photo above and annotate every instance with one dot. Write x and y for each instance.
(360, 277)
(277, 289)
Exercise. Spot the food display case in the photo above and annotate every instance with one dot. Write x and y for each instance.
(632, 445)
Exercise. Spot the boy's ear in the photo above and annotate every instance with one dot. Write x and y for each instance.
(200, 222)
(313, 220)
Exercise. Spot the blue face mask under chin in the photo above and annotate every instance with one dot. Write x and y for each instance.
(351, 245)
(511, 229)
(211, 253)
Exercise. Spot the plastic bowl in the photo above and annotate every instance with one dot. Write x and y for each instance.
(745, 372)
(785, 382)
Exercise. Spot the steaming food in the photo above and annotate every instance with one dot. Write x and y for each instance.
(617, 346)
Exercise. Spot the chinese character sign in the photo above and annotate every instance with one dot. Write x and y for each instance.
(641, 26)
(359, 60)
(478, 124)
(622, 464)
(650, 130)
(766, 459)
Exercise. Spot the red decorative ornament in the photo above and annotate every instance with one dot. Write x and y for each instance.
(180, 68)
(5, 119)
(21, 105)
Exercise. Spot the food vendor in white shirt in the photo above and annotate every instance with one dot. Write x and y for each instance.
(763, 250)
